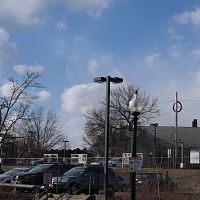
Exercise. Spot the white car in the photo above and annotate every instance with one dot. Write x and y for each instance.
(115, 162)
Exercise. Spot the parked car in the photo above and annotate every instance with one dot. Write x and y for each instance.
(86, 180)
(35, 175)
(7, 176)
(115, 162)
(123, 183)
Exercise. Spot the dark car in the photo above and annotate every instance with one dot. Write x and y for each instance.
(7, 176)
(35, 175)
(86, 180)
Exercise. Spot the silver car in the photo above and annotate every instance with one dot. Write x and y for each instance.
(7, 176)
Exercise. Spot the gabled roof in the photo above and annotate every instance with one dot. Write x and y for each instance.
(189, 135)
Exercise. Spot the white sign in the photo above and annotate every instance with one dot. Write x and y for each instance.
(50, 157)
(194, 157)
(126, 156)
(79, 159)
(135, 164)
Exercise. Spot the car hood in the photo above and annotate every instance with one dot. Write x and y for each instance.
(23, 174)
(4, 176)
(62, 178)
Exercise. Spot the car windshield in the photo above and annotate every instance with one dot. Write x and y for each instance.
(11, 172)
(76, 171)
(40, 168)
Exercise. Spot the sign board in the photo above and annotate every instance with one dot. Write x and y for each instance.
(194, 157)
(169, 153)
(126, 156)
(135, 164)
(79, 159)
(47, 178)
(50, 158)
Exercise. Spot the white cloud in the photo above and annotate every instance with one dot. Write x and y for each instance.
(61, 25)
(79, 98)
(6, 89)
(22, 69)
(152, 58)
(75, 102)
(44, 95)
(91, 7)
(7, 49)
(192, 17)
(195, 55)
(23, 12)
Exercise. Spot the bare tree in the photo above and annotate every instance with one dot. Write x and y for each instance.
(42, 132)
(120, 117)
(15, 104)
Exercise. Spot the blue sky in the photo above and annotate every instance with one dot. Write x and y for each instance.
(152, 44)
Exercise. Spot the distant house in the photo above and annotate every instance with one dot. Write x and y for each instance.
(188, 145)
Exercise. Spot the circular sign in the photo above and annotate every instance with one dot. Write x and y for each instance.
(177, 107)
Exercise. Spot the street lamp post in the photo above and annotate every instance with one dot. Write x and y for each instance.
(65, 146)
(108, 80)
(135, 107)
(155, 125)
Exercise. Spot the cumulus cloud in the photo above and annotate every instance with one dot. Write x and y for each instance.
(79, 98)
(152, 58)
(192, 17)
(91, 7)
(7, 49)
(76, 100)
(23, 12)
(44, 95)
(22, 69)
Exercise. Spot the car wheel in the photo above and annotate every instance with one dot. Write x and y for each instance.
(73, 189)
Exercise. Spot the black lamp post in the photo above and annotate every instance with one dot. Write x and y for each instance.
(65, 146)
(155, 125)
(107, 79)
(135, 107)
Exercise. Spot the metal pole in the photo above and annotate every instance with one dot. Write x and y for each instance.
(65, 146)
(155, 140)
(175, 135)
(182, 153)
(134, 154)
(106, 137)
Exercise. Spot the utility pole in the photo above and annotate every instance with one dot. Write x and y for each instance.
(177, 107)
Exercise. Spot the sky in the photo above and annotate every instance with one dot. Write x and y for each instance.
(154, 45)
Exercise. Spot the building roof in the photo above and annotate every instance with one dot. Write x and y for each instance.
(189, 135)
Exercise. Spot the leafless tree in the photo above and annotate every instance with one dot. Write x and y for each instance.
(120, 117)
(15, 104)
(42, 131)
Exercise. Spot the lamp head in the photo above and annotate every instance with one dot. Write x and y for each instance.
(135, 105)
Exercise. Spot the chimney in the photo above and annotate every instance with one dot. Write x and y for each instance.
(194, 123)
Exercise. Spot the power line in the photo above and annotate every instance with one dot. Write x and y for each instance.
(191, 100)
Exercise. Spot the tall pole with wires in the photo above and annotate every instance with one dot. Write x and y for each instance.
(177, 107)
